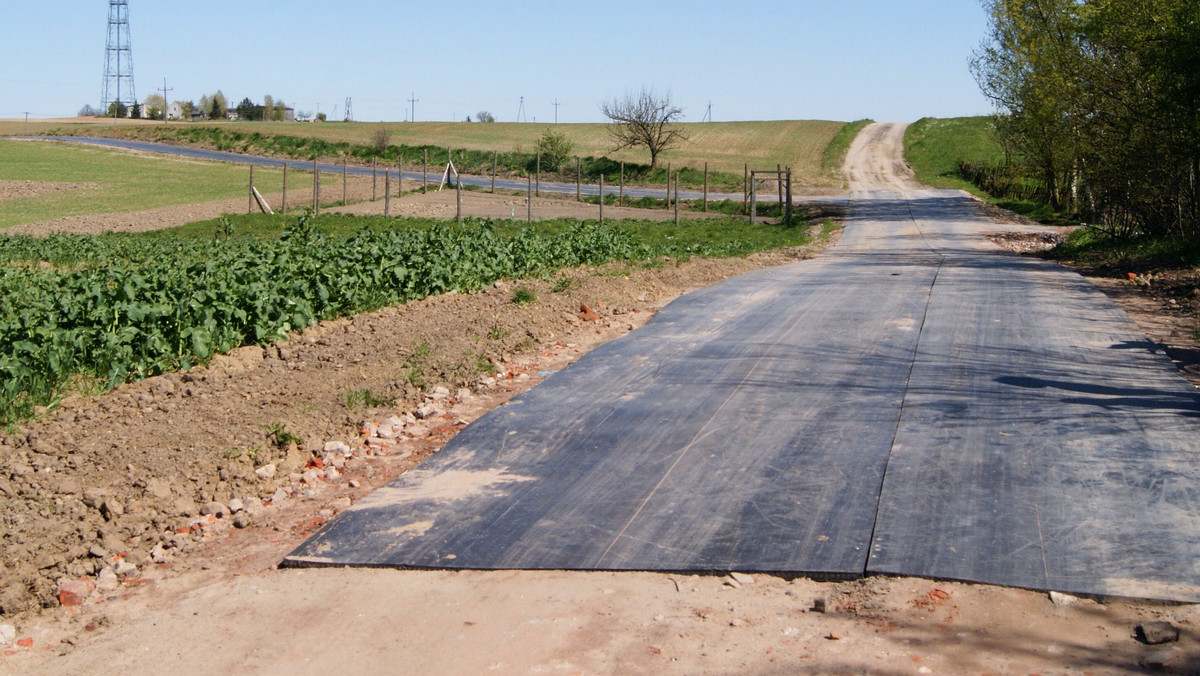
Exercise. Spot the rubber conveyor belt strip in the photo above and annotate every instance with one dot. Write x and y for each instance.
(1029, 435)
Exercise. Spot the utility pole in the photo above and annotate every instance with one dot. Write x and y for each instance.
(413, 102)
(521, 112)
(556, 105)
(166, 106)
(27, 124)
(708, 113)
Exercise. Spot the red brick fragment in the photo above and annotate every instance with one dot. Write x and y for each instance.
(587, 314)
(75, 592)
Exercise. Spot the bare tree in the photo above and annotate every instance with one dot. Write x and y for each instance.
(645, 119)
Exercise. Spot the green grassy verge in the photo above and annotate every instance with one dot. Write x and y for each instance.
(935, 148)
(835, 153)
(1089, 248)
(99, 311)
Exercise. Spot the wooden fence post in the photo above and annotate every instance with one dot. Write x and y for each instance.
(345, 196)
(387, 194)
(676, 197)
(425, 173)
(745, 187)
(250, 206)
(495, 163)
(578, 179)
(602, 198)
(621, 191)
(538, 187)
(789, 195)
(529, 199)
(284, 211)
(316, 189)
(753, 199)
(374, 177)
(706, 187)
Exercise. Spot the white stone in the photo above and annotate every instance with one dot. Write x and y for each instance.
(236, 505)
(159, 555)
(1063, 600)
(215, 509)
(337, 447)
(427, 411)
(265, 472)
(8, 634)
(125, 569)
(279, 496)
(107, 580)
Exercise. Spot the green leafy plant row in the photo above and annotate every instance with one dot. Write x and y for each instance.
(109, 309)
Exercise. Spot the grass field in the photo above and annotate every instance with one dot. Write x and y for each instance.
(118, 182)
(726, 146)
(935, 146)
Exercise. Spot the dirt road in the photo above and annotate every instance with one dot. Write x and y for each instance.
(230, 611)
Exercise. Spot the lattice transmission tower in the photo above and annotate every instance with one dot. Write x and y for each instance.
(118, 58)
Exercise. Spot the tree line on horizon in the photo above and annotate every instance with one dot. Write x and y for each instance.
(212, 107)
(1099, 102)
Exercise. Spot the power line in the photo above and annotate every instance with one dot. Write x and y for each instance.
(413, 102)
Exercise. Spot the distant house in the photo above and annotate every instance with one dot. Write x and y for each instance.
(175, 111)
(232, 114)
(289, 114)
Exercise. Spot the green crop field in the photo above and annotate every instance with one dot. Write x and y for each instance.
(726, 146)
(79, 311)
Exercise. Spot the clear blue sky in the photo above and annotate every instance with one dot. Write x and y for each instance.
(752, 59)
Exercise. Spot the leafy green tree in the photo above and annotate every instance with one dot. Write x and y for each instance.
(155, 107)
(554, 148)
(245, 109)
(1100, 100)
